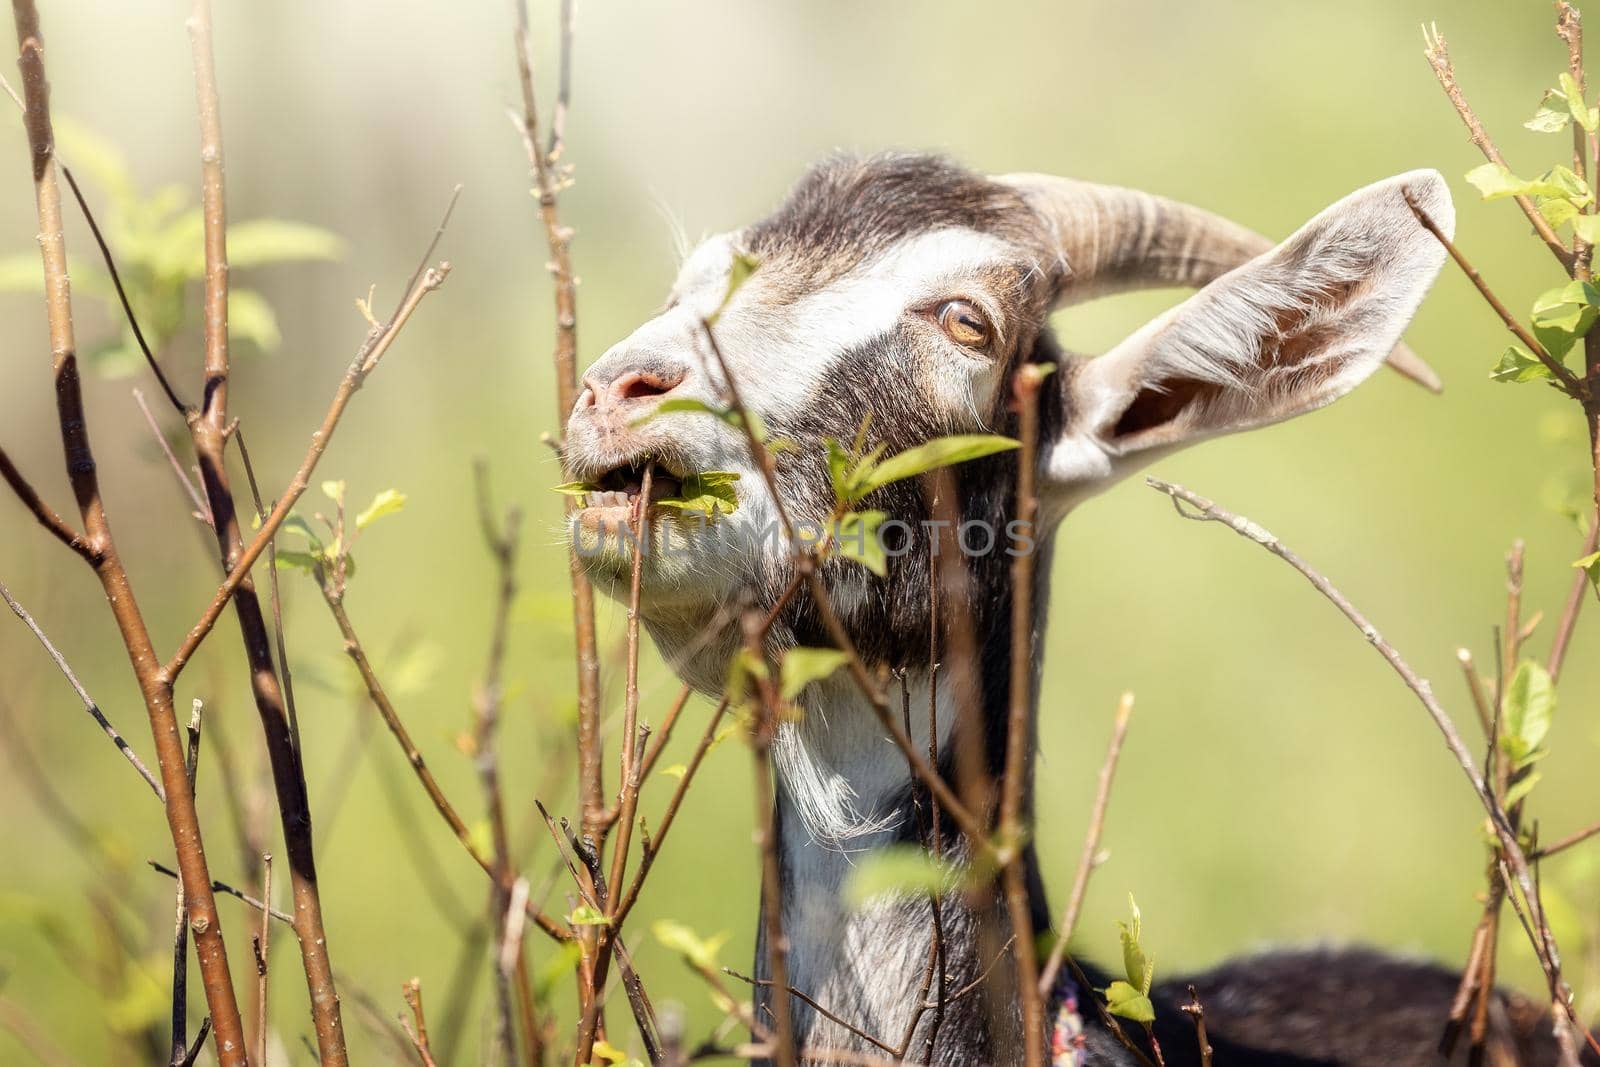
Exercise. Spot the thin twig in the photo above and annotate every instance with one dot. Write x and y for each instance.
(1571, 384)
(1089, 858)
(223, 887)
(263, 943)
(1439, 59)
(89, 704)
(1511, 849)
(412, 992)
(98, 547)
(180, 922)
(1197, 1011)
(1019, 724)
(202, 510)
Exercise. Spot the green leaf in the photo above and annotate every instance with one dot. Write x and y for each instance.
(702, 952)
(1520, 789)
(251, 318)
(857, 538)
(1591, 566)
(1139, 968)
(677, 770)
(92, 155)
(710, 493)
(584, 915)
(260, 241)
(904, 869)
(1553, 114)
(1558, 212)
(1519, 365)
(1496, 182)
(744, 265)
(1124, 1000)
(305, 561)
(802, 666)
(940, 452)
(608, 1052)
(1582, 114)
(577, 489)
(1530, 702)
(385, 503)
(1587, 227)
(333, 490)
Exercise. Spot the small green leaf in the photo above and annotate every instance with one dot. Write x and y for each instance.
(608, 1052)
(1552, 116)
(1529, 705)
(1587, 227)
(1591, 566)
(677, 770)
(906, 869)
(305, 561)
(802, 666)
(584, 915)
(1123, 1000)
(1519, 365)
(857, 538)
(1496, 182)
(1582, 114)
(1520, 789)
(577, 489)
(702, 952)
(940, 452)
(334, 491)
(1139, 968)
(710, 493)
(385, 503)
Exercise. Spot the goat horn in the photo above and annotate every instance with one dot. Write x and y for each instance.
(1116, 240)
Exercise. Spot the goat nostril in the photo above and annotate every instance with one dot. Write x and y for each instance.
(641, 385)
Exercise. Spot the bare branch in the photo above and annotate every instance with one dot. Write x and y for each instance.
(1089, 858)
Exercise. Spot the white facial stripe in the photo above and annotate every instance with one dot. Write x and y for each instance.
(782, 352)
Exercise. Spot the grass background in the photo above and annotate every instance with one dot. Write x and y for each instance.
(1279, 785)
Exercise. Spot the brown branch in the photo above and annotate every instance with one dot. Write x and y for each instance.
(1019, 725)
(1089, 858)
(1572, 385)
(263, 947)
(502, 547)
(44, 513)
(412, 992)
(100, 549)
(1511, 849)
(766, 983)
(777, 942)
(1439, 59)
(558, 239)
(1565, 843)
(391, 718)
(180, 922)
(372, 351)
(210, 430)
(1574, 602)
(89, 704)
(1197, 1011)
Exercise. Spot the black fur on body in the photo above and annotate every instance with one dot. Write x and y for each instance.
(1293, 1008)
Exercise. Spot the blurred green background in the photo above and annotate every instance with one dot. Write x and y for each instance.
(1279, 785)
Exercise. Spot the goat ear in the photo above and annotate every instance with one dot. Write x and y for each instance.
(1285, 333)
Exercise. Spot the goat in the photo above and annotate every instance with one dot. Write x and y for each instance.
(907, 289)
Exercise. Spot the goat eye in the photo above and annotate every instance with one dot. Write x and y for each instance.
(964, 324)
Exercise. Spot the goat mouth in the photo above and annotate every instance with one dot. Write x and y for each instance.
(615, 500)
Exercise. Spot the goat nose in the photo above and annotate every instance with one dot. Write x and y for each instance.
(635, 385)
